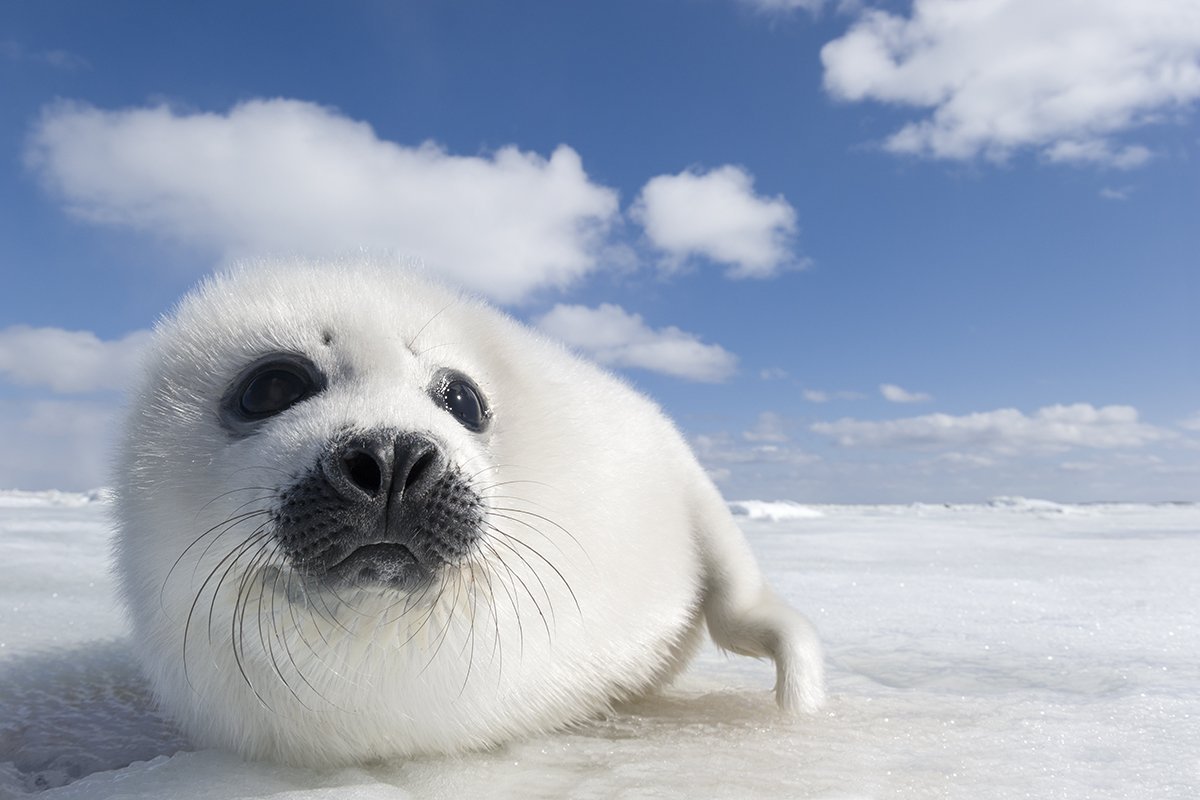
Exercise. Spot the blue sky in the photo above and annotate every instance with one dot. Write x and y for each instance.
(861, 252)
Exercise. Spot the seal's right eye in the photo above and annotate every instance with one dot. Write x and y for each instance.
(272, 390)
(269, 387)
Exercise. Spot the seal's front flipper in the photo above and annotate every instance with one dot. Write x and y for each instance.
(745, 616)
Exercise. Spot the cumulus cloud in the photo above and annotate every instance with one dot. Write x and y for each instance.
(716, 215)
(1062, 77)
(69, 361)
(284, 176)
(615, 337)
(768, 427)
(1005, 431)
(894, 394)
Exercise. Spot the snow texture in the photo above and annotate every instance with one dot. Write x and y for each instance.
(775, 511)
(1012, 649)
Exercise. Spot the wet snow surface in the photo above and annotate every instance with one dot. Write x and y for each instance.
(1015, 649)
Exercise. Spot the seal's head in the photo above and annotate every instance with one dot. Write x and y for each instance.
(360, 515)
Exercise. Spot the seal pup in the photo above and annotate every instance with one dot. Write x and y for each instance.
(361, 515)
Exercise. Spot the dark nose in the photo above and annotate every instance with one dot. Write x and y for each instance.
(377, 466)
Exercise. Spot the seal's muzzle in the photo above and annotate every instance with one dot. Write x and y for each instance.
(383, 507)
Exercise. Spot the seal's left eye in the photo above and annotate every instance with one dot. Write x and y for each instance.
(465, 402)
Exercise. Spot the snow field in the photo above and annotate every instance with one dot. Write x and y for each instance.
(1013, 649)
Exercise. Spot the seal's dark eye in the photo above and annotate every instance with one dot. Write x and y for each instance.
(463, 399)
(273, 389)
(268, 387)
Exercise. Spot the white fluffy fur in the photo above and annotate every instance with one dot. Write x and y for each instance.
(616, 545)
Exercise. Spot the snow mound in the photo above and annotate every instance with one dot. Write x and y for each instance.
(1028, 504)
(17, 498)
(773, 510)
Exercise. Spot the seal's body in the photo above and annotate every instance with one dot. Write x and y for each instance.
(360, 516)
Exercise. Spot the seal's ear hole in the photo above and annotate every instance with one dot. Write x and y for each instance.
(326, 338)
(459, 395)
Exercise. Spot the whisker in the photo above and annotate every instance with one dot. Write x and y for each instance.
(547, 562)
(281, 636)
(528, 592)
(270, 491)
(234, 555)
(299, 628)
(500, 512)
(497, 644)
(445, 630)
(432, 609)
(509, 589)
(231, 522)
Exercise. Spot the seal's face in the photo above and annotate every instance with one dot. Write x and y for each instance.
(384, 506)
(360, 516)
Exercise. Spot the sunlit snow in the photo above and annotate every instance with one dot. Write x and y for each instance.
(1012, 649)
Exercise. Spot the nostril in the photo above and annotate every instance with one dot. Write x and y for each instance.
(363, 470)
(420, 468)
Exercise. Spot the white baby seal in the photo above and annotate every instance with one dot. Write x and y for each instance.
(363, 516)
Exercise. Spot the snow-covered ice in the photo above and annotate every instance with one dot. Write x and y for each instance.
(1011, 649)
(777, 510)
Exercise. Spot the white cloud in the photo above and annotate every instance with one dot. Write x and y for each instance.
(784, 6)
(768, 428)
(14, 51)
(773, 374)
(1063, 77)
(822, 396)
(284, 176)
(1109, 193)
(895, 394)
(1096, 151)
(1117, 461)
(613, 336)
(717, 215)
(69, 361)
(56, 444)
(1005, 431)
(966, 460)
(1191, 423)
(721, 451)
